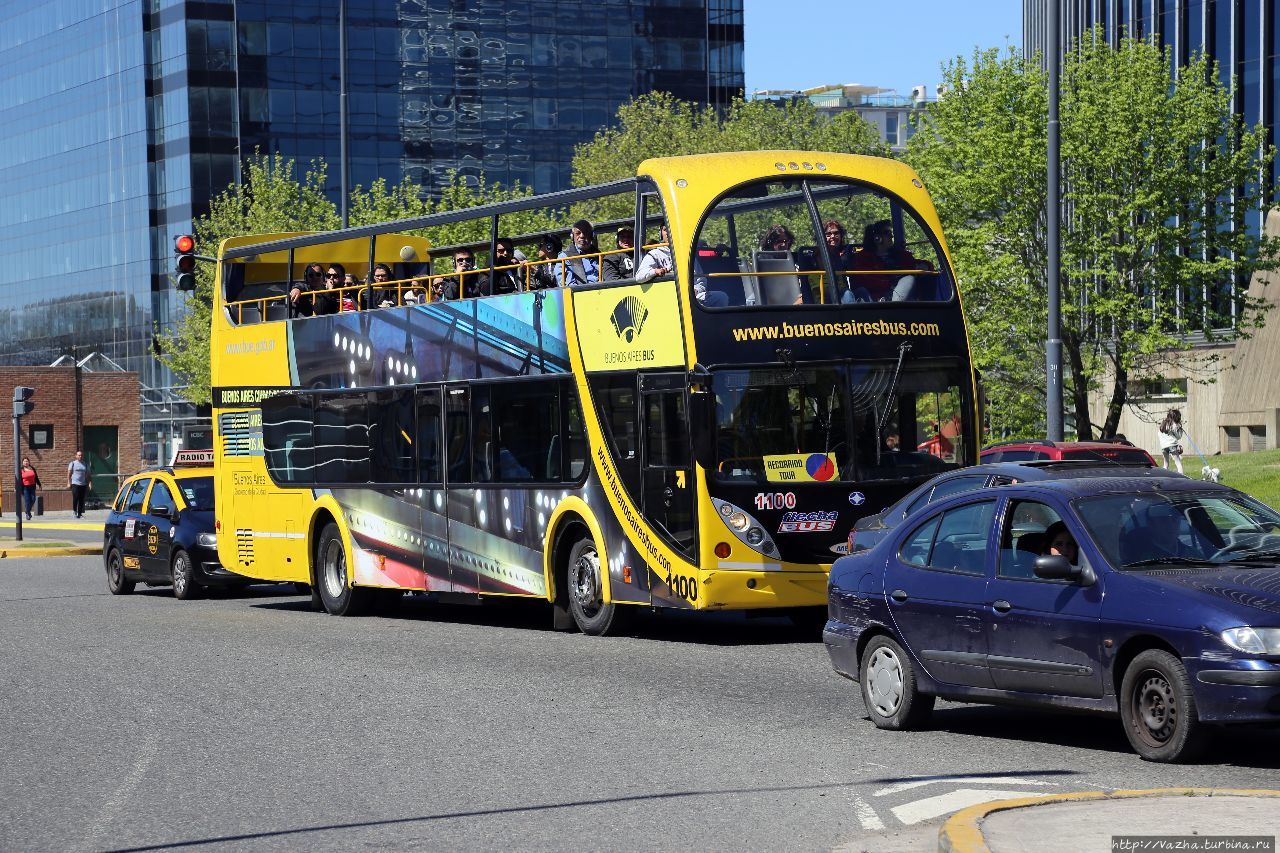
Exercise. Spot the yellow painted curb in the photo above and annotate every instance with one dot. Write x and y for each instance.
(69, 551)
(962, 833)
(55, 525)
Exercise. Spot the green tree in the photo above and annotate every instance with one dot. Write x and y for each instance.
(269, 199)
(661, 125)
(1151, 242)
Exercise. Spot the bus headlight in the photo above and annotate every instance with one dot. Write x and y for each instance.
(749, 531)
(207, 540)
(738, 521)
(755, 536)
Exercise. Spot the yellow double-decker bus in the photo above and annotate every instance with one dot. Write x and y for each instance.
(692, 418)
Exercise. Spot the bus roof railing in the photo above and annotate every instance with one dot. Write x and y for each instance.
(449, 217)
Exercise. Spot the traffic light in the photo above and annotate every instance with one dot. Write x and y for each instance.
(184, 277)
(22, 404)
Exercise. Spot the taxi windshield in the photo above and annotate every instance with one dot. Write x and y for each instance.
(197, 492)
(769, 243)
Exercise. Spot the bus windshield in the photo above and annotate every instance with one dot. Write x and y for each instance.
(769, 243)
(839, 423)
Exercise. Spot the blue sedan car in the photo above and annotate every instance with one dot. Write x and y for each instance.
(1154, 599)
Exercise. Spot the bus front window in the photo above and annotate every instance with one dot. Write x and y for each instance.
(842, 423)
(758, 247)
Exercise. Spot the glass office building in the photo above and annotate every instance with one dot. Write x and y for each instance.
(1242, 36)
(123, 118)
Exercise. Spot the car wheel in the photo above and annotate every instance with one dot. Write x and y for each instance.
(115, 574)
(586, 591)
(336, 595)
(1158, 709)
(888, 680)
(185, 586)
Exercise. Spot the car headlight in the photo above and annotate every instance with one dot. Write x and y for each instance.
(1253, 641)
(207, 540)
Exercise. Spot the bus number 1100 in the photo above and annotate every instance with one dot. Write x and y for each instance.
(776, 500)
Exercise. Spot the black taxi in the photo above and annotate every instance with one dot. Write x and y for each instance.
(161, 532)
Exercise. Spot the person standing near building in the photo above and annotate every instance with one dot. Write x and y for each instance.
(30, 482)
(78, 482)
(1171, 435)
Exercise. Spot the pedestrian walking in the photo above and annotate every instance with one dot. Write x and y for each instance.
(78, 479)
(1171, 436)
(30, 482)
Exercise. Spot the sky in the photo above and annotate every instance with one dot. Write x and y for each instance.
(798, 44)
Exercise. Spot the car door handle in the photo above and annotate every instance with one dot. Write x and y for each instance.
(899, 595)
(1001, 605)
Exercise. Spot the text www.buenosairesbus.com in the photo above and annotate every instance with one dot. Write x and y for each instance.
(824, 330)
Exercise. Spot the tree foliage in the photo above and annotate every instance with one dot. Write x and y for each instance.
(1151, 241)
(661, 125)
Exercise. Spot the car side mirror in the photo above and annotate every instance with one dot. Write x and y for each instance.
(161, 511)
(1055, 567)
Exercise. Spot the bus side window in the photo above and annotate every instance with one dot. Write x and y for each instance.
(286, 438)
(430, 438)
(391, 437)
(577, 437)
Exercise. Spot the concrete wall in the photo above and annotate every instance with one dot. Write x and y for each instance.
(106, 399)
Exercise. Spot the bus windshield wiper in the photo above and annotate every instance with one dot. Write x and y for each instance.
(1168, 561)
(1261, 556)
(903, 349)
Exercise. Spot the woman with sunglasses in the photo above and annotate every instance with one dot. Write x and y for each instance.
(328, 300)
(300, 294)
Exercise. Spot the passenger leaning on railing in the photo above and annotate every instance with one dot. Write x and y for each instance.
(619, 265)
(300, 293)
(582, 267)
(328, 300)
(467, 283)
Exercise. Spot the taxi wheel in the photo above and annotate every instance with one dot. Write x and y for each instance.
(338, 598)
(115, 574)
(586, 591)
(185, 586)
(1158, 709)
(888, 681)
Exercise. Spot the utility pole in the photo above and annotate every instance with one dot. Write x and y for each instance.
(1053, 343)
(345, 170)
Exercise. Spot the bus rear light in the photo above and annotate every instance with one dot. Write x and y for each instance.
(723, 550)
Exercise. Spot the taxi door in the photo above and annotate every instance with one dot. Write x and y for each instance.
(155, 530)
(133, 529)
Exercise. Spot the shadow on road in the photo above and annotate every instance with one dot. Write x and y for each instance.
(1235, 747)
(719, 628)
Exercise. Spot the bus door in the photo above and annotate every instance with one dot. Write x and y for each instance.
(668, 482)
(462, 514)
(433, 506)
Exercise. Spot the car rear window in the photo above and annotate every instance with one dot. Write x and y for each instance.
(1121, 456)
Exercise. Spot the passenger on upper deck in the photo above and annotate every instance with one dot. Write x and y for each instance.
(778, 239)
(468, 283)
(350, 292)
(378, 294)
(621, 265)
(582, 267)
(299, 294)
(657, 261)
(327, 300)
(879, 252)
(542, 274)
(508, 280)
(841, 252)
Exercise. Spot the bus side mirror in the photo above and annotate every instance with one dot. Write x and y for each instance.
(702, 427)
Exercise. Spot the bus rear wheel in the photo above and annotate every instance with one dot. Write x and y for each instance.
(338, 598)
(586, 591)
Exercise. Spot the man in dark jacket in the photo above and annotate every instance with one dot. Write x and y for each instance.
(466, 283)
(621, 264)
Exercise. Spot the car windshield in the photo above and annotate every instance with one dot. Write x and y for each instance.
(197, 492)
(1180, 528)
(844, 422)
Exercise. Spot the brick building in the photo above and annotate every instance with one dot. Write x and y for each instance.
(75, 409)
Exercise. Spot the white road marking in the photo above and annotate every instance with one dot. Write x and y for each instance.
(866, 815)
(118, 801)
(982, 780)
(954, 801)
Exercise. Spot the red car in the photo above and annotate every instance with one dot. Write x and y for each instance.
(1119, 452)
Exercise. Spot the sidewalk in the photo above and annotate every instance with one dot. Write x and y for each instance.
(1088, 821)
(59, 520)
(54, 534)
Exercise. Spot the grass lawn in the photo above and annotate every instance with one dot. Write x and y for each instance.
(1257, 474)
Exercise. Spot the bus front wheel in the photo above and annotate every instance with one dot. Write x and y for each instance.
(337, 596)
(586, 591)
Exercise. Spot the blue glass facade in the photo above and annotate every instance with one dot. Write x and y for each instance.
(114, 145)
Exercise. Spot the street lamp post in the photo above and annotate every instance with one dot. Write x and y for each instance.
(1053, 343)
